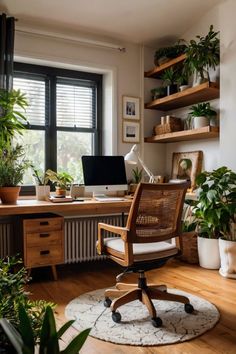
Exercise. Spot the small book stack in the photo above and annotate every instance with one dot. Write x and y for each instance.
(61, 199)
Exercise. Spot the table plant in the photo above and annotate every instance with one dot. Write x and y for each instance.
(215, 212)
(203, 54)
(137, 174)
(42, 188)
(201, 114)
(12, 168)
(61, 180)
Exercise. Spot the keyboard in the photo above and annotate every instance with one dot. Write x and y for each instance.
(109, 199)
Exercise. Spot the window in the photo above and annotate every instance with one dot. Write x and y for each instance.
(64, 117)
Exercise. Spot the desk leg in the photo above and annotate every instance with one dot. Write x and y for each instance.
(54, 272)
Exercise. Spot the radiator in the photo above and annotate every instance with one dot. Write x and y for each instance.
(5, 238)
(81, 237)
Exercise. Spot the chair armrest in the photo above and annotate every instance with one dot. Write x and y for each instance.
(122, 231)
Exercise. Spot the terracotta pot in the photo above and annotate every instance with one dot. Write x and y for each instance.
(60, 192)
(9, 195)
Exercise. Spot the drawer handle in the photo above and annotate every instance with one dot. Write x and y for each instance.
(44, 252)
(44, 223)
(44, 235)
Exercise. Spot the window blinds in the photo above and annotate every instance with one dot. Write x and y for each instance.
(35, 94)
(76, 102)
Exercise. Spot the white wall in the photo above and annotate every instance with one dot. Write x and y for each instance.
(228, 84)
(209, 147)
(121, 74)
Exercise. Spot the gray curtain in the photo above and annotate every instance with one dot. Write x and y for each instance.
(7, 34)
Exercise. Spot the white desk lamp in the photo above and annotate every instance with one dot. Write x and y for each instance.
(133, 158)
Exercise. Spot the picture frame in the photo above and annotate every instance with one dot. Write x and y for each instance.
(131, 107)
(131, 132)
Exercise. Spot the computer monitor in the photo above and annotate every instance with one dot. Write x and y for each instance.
(104, 174)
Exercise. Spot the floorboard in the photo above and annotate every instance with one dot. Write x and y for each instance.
(74, 280)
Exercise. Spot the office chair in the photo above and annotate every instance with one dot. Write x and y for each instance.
(148, 241)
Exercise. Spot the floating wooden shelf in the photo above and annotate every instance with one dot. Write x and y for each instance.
(185, 135)
(204, 92)
(158, 70)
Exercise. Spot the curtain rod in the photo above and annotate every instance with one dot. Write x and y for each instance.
(82, 40)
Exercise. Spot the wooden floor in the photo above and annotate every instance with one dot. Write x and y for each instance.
(77, 279)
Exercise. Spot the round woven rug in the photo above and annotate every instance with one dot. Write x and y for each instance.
(135, 327)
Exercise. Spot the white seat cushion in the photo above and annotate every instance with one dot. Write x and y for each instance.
(146, 250)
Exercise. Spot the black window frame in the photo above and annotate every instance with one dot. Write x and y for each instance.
(51, 74)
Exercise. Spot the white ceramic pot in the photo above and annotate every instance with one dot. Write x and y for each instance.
(227, 258)
(183, 87)
(42, 192)
(208, 252)
(199, 122)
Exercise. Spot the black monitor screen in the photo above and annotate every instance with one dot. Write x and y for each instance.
(104, 170)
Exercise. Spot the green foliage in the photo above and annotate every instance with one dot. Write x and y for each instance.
(12, 165)
(170, 76)
(170, 52)
(182, 77)
(40, 177)
(158, 92)
(202, 109)
(137, 174)
(203, 53)
(216, 205)
(23, 341)
(11, 119)
(61, 179)
(13, 278)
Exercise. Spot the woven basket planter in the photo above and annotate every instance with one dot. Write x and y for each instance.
(188, 243)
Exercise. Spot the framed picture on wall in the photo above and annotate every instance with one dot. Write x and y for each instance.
(131, 132)
(130, 107)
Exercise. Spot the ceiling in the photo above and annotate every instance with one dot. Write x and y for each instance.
(140, 21)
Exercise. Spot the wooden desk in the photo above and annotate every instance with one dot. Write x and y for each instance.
(88, 207)
(24, 208)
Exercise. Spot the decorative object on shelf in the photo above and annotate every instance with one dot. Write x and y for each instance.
(133, 158)
(168, 125)
(215, 212)
(186, 165)
(170, 77)
(183, 80)
(164, 54)
(131, 132)
(203, 54)
(130, 107)
(201, 114)
(12, 168)
(61, 179)
(158, 92)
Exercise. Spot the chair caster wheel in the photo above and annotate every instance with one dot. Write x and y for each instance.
(157, 322)
(116, 316)
(188, 308)
(107, 302)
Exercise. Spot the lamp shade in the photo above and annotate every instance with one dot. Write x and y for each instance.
(132, 156)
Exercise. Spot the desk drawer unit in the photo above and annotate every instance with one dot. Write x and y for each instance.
(43, 241)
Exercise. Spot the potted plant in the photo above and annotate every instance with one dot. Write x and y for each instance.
(42, 188)
(214, 211)
(169, 77)
(137, 175)
(203, 54)
(158, 92)
(12, 168)
(164, 54)
(11, 119)
(13, 294)
(49, 338)
(61, 179)
(227, 246)
(182, 80)
(201, 114)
